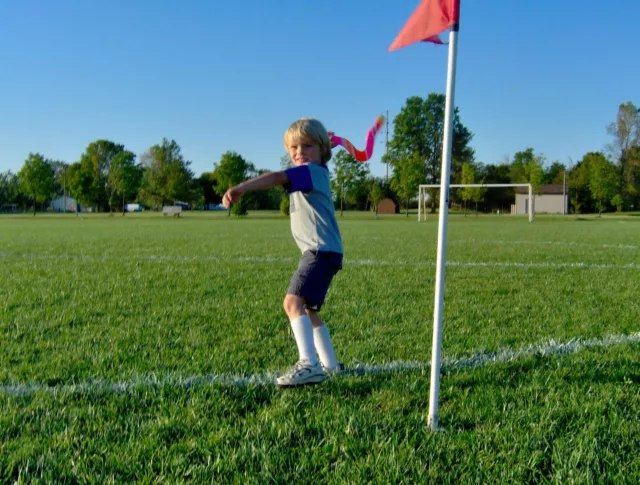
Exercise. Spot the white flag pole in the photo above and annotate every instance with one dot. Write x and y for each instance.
(442, 230)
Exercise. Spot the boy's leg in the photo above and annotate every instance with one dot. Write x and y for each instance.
(307, 370)
(307, 290)
(302, 327)
(322, 340)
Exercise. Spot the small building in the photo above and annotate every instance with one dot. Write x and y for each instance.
(9, 208)
(185, 206)
(550, 199)
(386, 206)
(58, 205)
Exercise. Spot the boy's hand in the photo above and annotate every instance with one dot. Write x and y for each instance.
(231, 196)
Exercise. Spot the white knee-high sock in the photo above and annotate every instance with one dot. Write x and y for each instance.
(324, 347)
(303, 333)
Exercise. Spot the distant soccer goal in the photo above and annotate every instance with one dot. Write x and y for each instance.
(423, 196)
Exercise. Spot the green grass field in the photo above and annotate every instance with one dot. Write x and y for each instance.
(142, 348)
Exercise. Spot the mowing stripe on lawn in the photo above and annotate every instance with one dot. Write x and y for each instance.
(549, 348)
(368, 262)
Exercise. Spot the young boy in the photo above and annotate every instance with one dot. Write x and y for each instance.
(315, 230)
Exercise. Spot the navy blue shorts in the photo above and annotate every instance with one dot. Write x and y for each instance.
(311, 280)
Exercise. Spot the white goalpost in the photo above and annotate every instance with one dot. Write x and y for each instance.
(422, 190)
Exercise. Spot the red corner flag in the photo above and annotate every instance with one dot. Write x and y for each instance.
(429, 19)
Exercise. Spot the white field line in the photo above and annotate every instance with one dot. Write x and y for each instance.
(547, 349)
(497, 264)
(547, 243)
(145, 257)
(356, 262)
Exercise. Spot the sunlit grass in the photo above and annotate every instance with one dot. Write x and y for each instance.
(131, 299)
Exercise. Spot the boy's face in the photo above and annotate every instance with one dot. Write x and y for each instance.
(304, 151)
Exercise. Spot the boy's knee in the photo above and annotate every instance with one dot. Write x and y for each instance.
(315, 318)
(293, 306)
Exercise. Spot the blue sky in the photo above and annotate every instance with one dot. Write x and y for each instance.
(217, 75)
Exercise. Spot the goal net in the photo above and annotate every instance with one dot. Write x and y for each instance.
(423, 196)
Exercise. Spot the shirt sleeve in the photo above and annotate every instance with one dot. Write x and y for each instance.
(299, 179)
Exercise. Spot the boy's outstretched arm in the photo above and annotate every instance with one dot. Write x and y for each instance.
(261, 182)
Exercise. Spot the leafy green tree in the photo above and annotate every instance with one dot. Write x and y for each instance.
(125, 178)
(9, 188)
(206, 183)
(516, 166)
(59, 177)
(338, 181)
(96, 161)
(468, 177)
(407, 176)
(230, 171)
(36, 178)
(625, 151)
(263, 199)
(167, 176)
(241, 207)
(554, 174)
(474, 194)
(631, 178)
(285, 205)
(617, 202)
(419, 131)
(80, 182)
(349, 178)
(375, 192)
(497, 198)
(477, 195)
(625, 130)
(580, 196)
(198, 194)
(527, 168)
(603, 181)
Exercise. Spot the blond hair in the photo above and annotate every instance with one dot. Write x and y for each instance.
(309, 130)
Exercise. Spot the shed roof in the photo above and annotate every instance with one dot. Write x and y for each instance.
(546, 189)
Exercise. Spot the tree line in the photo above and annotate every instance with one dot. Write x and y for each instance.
(108, 176)
(601, 181)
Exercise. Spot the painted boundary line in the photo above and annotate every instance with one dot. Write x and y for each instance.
(498, 264)
(546, 243)
(550, 348)
(355, 262)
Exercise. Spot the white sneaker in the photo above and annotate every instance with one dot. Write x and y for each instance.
(334, 370)
(302, 374)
